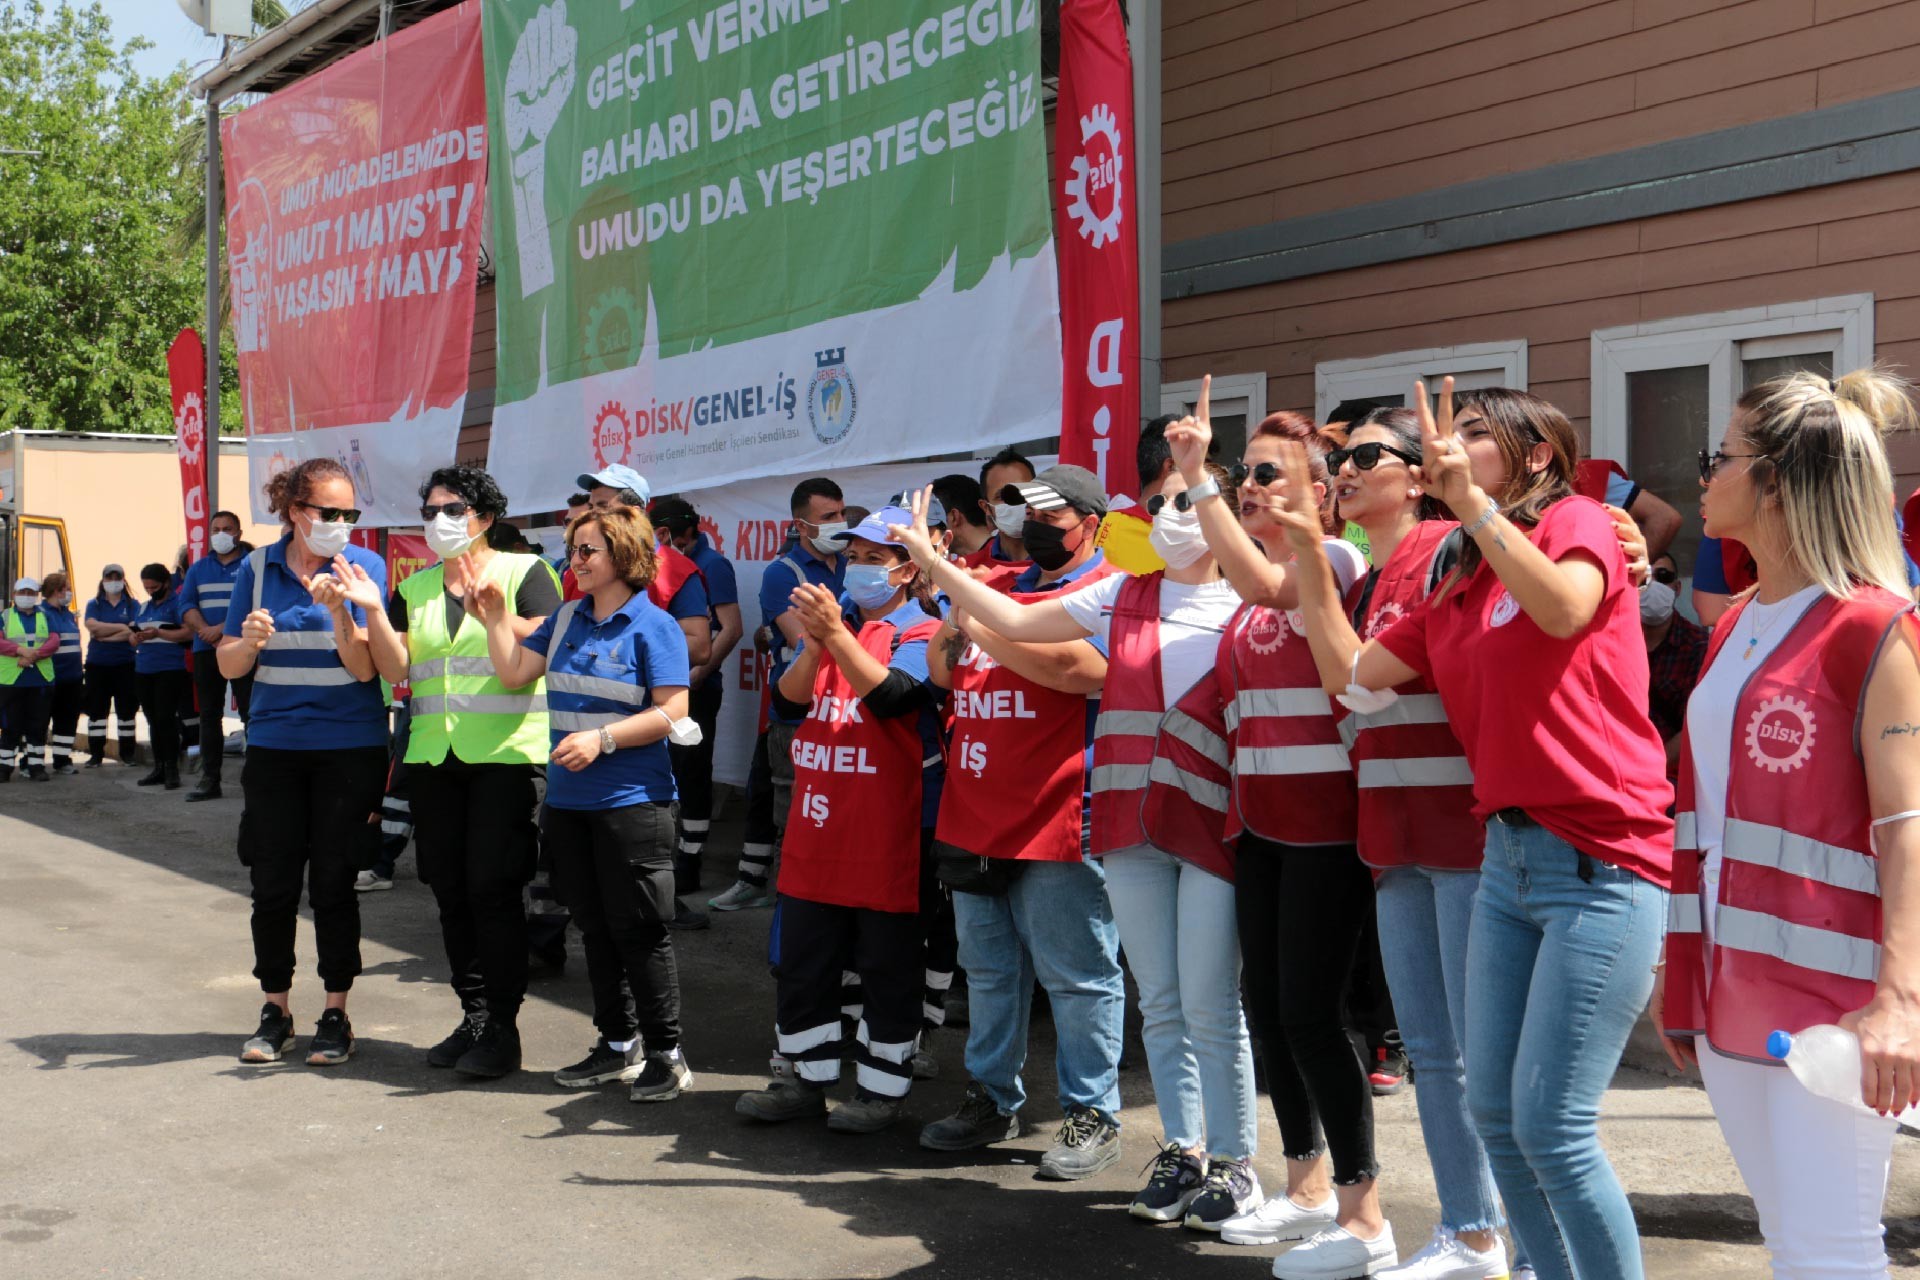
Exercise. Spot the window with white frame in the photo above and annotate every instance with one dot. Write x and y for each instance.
(1237, 403)
(1388, 379)
(1664, 390)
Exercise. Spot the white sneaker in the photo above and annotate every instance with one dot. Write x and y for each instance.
(370, 882)
(741, 896)
(1338, 1254)
(1278, 1221)
(1448, 1257)
(1522, 1273)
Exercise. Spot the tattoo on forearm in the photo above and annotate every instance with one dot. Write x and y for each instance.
(1499, 538)
(956, 645)
(1904, 729)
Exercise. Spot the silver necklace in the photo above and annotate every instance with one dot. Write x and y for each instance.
(1755, 632)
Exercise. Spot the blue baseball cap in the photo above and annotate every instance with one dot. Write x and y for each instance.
(874, 527)
(617, 476)
(936, 510)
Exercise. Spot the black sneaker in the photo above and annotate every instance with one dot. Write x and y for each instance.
(1087, 1143)
(1389, 1070)
(208, 789)
(38, 773)
(1175, 1181)
(685, 917)
(979, 1122)
(1232, 1188)
(332, 1042)
(495, 1051)
(94, 761)
(272, 1039)
(664, 1077)
(450, 1050)
(65, 769)
(602, 1065)
(156, 776)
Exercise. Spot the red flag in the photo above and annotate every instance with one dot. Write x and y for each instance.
(187, 371)
(1098, 243)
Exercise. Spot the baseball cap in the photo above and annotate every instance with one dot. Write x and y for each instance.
(936, 510)
(617, 476)
(27, 584)
(874, 527)
(1062, 486)
(113, 568)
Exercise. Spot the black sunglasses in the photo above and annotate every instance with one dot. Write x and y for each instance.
(1264, 474)
(1367, 456)
(1710, 462)
(583, 551)
(334, 515)
(1181, 503)
(1666, 576)
(428, 510)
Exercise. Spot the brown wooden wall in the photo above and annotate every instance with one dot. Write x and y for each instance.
(1554, 291)
(1278, 108)
(472, 449)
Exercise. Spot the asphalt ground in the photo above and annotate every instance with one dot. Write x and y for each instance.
(133, 1144)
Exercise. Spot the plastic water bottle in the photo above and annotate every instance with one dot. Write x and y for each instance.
(1825, 1059)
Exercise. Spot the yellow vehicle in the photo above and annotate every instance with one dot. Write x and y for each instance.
(30, 546)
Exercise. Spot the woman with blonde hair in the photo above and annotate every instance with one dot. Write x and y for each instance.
(1795, 901)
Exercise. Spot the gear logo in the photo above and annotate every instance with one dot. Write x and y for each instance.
(1384, 617)
(612, 435)
(1505, 610)
(613, 332)
(1780, 734)
(1266, 631)
(190, 429)
(1097, 177)
(711, 527)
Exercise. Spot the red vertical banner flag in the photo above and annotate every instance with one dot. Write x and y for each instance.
(187, 372)
(1097, 237)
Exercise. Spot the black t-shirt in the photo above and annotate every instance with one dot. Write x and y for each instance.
(537, 598)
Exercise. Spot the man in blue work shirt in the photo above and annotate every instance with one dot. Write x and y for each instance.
(204, 599)
(815, 555)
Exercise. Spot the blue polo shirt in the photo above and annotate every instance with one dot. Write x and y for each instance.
(598, 674)
(111, 653)
(722, 587)
(208, 588)
(304, 698)
(154, 655)
(776, 590)
(66, 663)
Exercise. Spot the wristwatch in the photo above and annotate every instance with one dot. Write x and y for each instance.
(606, 741)
(1208, 488)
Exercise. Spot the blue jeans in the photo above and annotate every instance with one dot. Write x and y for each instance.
(1424, 921)
(1177, 928)
(1558, 969)
(1053, 923)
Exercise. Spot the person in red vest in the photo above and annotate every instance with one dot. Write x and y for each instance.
(867, 765)
(1172, 898)
(1534, 644)
(1795, 903)
(1302, 894)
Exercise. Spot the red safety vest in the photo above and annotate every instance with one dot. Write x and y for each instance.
(1016, 759)
(1292, 782)
(1590, 477)
(1186, 811)
(1797, 930)
(1415, 786)
(853, 831)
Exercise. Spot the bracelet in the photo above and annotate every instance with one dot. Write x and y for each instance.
(607, 746)
(1493, 509)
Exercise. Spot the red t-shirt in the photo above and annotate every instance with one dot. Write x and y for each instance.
(1556, 727)
(987, 557)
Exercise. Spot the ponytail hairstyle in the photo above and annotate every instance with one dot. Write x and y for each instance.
(1288, 425)
(1823, 460)
(1519, 421)
(295, 484)
(1404, 426)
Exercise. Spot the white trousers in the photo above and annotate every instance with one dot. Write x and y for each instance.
(1817, 1170)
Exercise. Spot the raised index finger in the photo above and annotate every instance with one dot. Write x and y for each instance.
(1203, 410)
(1445, 426)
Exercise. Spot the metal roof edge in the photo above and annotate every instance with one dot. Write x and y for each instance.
(258, 56)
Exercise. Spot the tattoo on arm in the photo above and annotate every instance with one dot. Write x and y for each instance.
(1906, 728)
(956, 645)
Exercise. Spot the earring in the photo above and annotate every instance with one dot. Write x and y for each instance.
(1414, 492)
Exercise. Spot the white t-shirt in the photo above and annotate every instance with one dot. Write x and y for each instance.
(1192, 618)
(1710, 726)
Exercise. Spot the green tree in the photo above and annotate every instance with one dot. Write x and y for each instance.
(93, 281)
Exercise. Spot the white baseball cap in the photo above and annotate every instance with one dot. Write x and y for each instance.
(27, 584)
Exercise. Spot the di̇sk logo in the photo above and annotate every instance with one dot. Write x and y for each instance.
(1505, 609)
(1093, 192)
(1780, 734)
(1266, 630)
(711, 528)
(1384, 617)
(612, 436)
(190, 428)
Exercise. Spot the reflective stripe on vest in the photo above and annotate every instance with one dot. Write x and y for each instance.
(1407, 709)
(310, 676)
(1213, 795)
(592, 687)
(1683, 913)
(1141, 723)
(1764, 846)
(1800, 945)
(16, 631)
(1415, 771)
(1179, 724)
(1292, 778)
(1119, 777)
(1275, 702)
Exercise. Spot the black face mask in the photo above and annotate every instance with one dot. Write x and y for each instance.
(1048, 545)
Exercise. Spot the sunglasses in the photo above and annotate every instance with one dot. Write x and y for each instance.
(428, 510)
(583, 551)
(1367, 456)
(1264, 474)
(334, 515)
(1666, 576)
(1181, 503)
(1710, 463)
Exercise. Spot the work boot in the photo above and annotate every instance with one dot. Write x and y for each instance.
(979, 1122)
(867, 1114)
(208, 788)
(495, 1051)
(154, 777)
(783, 1100)
(172, 782)
(449, 1051)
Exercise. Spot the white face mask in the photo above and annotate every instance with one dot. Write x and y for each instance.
(25, 600)
(825, 543)
(327, 540)
(1009, 519)
(221, 542)
(447, 535)
(1656, 603)
(1176, 536)
(113, 588)
(62, 600)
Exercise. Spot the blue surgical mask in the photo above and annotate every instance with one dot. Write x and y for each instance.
(868, 585)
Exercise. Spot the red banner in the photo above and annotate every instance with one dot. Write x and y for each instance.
(354, 204)
(1098, 242)
(407, 555)
(187, 372)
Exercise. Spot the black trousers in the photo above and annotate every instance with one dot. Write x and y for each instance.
(614, 870)
(396, 806)
(693, 777)
(67, 696)
(1369, 1001)
(118, 688)
(473, 828)
(817, 944)
(308, 817)
(210, 689)
(763, 832)
(1301, 912)
(24, 713)
(160, 694)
